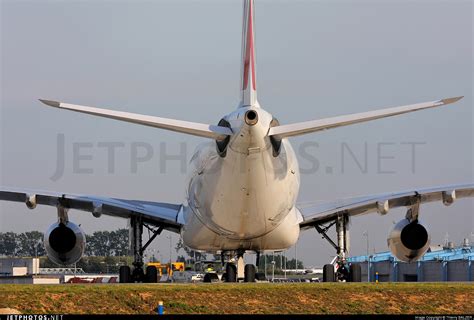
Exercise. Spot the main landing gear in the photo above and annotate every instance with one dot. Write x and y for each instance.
(128, 275)
(339, 269)
(238, 272)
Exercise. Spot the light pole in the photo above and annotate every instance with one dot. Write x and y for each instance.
(169, 237)
(273, 260)
(281, 261)
(265, 263)
(296, 258)
(273, 272)
(366, 234)
(151, 258)
(108, 246)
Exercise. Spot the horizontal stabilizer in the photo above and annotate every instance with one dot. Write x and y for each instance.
(193, 128)
(300, 128)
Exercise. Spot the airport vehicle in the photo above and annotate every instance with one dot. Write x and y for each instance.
(167, 269)
(207, 265)
(196, 276)
(182, 277)
(241, 195)
(187, 276)
(212, 270)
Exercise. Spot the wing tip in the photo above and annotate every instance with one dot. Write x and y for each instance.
(451, 100)
(51, 103)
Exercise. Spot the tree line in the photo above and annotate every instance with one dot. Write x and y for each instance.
(30, 243)
(115, 244)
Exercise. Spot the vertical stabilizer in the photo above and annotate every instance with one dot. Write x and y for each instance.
(248, 72)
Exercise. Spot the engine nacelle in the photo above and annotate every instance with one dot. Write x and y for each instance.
(64, 243)
(408, 241)
(31, 201)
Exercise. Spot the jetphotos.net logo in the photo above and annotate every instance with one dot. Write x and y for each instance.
(32, 317)
(140, 157)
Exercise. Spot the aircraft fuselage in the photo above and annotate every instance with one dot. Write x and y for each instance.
(244, 198)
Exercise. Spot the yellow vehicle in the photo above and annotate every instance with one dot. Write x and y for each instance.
(176, 266)
(167, 268)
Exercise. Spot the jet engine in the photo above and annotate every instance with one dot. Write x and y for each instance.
(64, 243)
(408, 241)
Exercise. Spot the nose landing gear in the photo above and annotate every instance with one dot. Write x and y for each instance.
(241, 272)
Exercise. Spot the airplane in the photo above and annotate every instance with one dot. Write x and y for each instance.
(242, 194)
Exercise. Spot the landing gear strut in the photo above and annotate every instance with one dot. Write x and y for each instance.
(241, 272)
(137, 274)
(339, 270)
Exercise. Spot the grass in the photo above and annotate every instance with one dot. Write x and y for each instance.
(318, 298)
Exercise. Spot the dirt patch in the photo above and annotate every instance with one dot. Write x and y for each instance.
(145, 295)
(9, 311)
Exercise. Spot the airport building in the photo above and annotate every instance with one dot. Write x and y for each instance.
(440, 263)
(23, 271)
(28, 271)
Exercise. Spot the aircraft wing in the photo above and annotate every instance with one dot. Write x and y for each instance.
(328, 211)
(296, 129)
(155, 213)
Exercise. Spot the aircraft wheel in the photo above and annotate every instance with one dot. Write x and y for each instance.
(355, 272)
(328, 273)
(124, 274)
(260, 276)
(231, 272)
(211, 277)
(151, 275)
(138, 275)
(249, 273)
